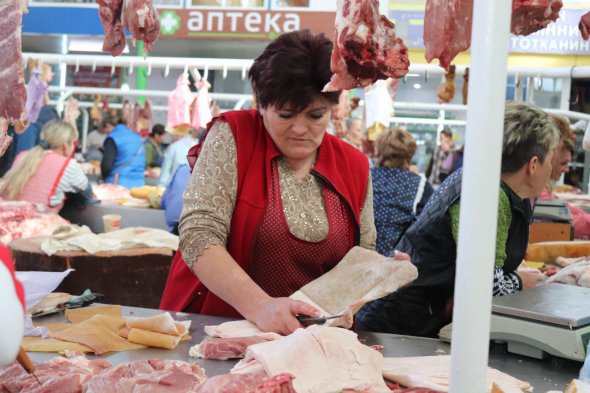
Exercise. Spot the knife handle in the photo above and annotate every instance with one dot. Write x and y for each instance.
(24, 361)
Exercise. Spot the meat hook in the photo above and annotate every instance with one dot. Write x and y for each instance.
(539, 82)
(243, 72)
(167, 70)
(516, 81)
(77, 65)
(206, 73)
(131, 68)
(224, 75)
(94, 65)
(426, 76)
(113, 67)
(149, 70)
(185, 72)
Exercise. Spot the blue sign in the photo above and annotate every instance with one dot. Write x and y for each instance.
(561, 37)
(62, 20)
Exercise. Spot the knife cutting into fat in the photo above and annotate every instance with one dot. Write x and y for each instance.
(23, 359)
(306, 320)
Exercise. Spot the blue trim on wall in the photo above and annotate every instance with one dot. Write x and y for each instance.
(62, 20)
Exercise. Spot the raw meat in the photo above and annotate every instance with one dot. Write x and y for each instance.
(114, 34)
(447, 29)
(584, 26)
(529, 16)
(241, 328)
(446, 91)
(322, 359)
(434, 372)
(563, 262)
(340, 112)
(465, 85)
(575, 274)
(365, 47)
(110, 192)
(13, 94)
(152, 376)
(248, 383)
(72, 112)
(142, 20)
(224, 348)
(202, 106)
(57, 375)
(179, 103)
(20, 219)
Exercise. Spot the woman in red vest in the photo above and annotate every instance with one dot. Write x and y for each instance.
(46, 174)
(273, 202)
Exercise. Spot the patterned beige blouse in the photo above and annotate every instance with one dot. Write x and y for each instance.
(210, 198)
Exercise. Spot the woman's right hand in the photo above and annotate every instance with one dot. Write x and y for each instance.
(528, 278)
(278, 315)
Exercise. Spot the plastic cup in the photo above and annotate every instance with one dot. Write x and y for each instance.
(111, 222)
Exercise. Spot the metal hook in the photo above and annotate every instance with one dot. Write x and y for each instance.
(196, 74)
(426, 76)
(131, 68)
(149, 70)
(77, 65)
(224, 74)
(575, 102)
(539, 82)
(185, 72)
(405, 79)
(243, 72)
(206, 73)
(113, 67)
(94, 65)
(572, 72)
(167, 70)
(516, 81)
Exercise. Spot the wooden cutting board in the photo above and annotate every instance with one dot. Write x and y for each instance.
(134, 277)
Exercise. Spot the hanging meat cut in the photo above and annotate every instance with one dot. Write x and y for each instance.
(13, 94)
(366, 48)
(529, 16)
(142, 20)
(446, 91)
(138, 16)
(447, 24)
(584, 26)
(447, 29)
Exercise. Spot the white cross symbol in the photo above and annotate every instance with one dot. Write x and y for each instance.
(169, 22)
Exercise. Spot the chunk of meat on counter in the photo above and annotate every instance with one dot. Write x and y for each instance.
(20, 219)
(59, 374)
(13, 94)
(366, 48)
(224, 348)
(248, 383)
(434, 372)
(529, 16)
(322, 359)
(562, 261)
(584, 26)
(152, 376)
(110, 192)
(241, 328)
(575, 274)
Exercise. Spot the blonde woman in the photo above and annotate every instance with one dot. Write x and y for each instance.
(398, 194)
(46, 174)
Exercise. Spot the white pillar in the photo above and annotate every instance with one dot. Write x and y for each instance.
(479, 196)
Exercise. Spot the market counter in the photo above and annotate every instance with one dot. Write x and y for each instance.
(130, 217)
(542, 375)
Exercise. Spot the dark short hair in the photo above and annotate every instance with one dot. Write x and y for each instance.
(158, 129)
(292, 71)
(109, 119)
(447, 132)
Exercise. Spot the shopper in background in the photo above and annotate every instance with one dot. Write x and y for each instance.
(353, 131)
(562, 157)
(398, 194)
(95, 139)
(426, 305)
(172, 198)
(154, 155)
(435, 172)
(176, 154)
(273, 201)
(48, 174)
(123, 161)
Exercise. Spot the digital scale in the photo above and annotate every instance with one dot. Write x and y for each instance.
(551, 319)
(552, 210)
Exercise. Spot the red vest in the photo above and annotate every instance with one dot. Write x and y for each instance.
(341, 165)
(42, 185)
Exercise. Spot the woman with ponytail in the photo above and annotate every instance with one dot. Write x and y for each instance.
(47, 174)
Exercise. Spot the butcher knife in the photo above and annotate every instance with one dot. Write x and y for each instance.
(307, 320)
(24, 361)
